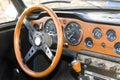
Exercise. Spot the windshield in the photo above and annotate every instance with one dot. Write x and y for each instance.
(112, 4)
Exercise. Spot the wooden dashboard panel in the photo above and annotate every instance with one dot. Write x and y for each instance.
(87, 29)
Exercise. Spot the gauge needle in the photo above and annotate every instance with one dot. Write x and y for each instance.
(71, 35)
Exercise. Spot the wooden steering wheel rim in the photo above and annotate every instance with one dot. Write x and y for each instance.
(18, 53)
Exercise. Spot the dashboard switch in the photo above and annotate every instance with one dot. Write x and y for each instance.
(101, 65)
(65, 45)
(113, 69)
(88, 61)
(87, 78)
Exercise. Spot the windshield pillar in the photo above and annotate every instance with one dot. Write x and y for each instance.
(19, 5)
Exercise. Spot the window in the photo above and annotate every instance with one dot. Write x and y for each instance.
(7, 11)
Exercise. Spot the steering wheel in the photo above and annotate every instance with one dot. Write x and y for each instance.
(41, 41)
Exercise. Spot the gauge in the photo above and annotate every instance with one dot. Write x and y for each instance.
(97, 33)
(117, 47)
(50, 27)
(73, 33)
(111, 35)
(88, 42)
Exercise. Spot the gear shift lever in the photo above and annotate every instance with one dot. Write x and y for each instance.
(76, 66)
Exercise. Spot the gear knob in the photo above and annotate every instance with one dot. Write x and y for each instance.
(76, 66)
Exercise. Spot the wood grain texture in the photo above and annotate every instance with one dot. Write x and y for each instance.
(88, 32)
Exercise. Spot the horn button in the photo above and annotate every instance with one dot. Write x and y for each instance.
(41, 38)
(37, 41)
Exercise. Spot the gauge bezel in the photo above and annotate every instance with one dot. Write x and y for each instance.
(93, 32)
(80, 37)
(107, 35)
(86, 44)
(46, 24)
(115, 49)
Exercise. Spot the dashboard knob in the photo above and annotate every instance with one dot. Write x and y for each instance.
(86, 78)
(101, 65)
(113, 69)
(65, 45)
(88, 61)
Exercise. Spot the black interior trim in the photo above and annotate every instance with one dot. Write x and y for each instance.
(80, 15)
(7, 25)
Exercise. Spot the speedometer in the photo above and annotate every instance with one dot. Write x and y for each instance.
(73, 33)
(50, 27)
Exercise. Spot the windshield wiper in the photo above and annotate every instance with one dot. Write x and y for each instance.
(56, 1)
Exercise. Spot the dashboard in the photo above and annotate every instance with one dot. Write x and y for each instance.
(81, 35)
(94, 37)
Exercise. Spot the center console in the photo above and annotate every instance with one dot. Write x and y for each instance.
(99, 66)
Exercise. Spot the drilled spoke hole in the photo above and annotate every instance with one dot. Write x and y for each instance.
(45, 48)
(32, 51)
(47, 51)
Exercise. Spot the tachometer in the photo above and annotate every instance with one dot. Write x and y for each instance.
(50, 27)
(73, 33)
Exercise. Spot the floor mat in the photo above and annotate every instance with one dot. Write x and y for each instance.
(64, 72)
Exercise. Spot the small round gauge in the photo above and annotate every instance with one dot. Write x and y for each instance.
(50, 27)
(117, 47)
(97, 33)
(111, 35)
(73, 33)
(88, 42)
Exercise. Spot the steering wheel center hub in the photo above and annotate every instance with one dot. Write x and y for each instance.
(37, 41)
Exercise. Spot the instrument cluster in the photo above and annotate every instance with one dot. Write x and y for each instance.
(97, 34)
(81, 35)
(110, 34)
(72, 32)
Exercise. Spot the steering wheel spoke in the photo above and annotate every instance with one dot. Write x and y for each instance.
(47, 51)
(28, 25)
(30, 53)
